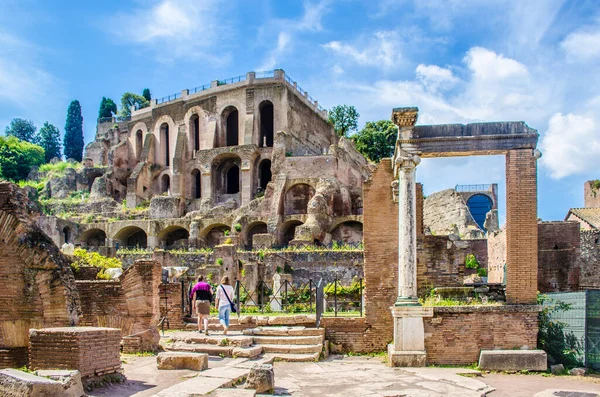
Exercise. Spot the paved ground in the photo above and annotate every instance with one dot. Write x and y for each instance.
(359, 376)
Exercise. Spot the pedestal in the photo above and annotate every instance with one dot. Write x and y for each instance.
(408, 348)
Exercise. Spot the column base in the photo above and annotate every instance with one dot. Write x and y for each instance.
(407, 301)
(415, 358)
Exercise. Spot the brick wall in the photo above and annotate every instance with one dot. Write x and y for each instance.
(521, 226)
(103, 305)
(496, 247)
(14, 357)
(456, 335)
(380, 236)
(90, 350)
(558, 256)
(170, 304)
(591, 196)
(349, 332)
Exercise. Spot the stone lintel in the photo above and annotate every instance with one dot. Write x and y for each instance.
(411, 311)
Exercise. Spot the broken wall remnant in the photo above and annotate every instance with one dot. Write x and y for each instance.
(38, 285)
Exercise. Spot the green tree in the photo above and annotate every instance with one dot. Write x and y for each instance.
(17, 157)
(107, 108)
(73, 140)
(22, 129)
(344, 119)
(49, 139)
(146, 94)
(130, 99)
(377, 140)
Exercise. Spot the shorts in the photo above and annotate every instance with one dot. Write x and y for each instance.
(224, 312)
(203, 308)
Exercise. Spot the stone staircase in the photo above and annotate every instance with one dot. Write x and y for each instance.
(282, 343)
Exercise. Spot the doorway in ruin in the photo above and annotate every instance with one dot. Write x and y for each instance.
(226, 178)
(93, 238)
(139, 140)
(132, 237)
(231, 124)
(67, 233)
(266, 124)
(255, 228)
(264, 174)
(165, 183)
(164, 144)
(174, 237)
(196, 184)
(297, 198)
(213, 234)
(288, 231)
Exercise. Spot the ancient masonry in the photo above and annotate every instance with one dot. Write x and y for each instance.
(254, 159)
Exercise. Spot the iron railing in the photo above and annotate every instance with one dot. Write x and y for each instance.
(199, 88)
(116, 119)
(168, 98)
(473, 188)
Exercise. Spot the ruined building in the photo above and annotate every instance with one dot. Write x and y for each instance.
(252, 158)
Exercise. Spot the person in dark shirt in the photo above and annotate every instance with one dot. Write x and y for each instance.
(201, 296)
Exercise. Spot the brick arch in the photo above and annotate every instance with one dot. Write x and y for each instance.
(350, 231)
(343, 219)
(189, 128)
(170, 235)
(284, 235)
(93, 233)
(210, 234)
(254, 227)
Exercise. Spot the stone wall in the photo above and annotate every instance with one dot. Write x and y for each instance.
(92, 351)
(558, 256)
(590, 259)
(445, 213)
(456, 335)
(591, 195)
(496, 247)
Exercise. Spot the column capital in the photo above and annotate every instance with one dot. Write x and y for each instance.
(407, 160)
(405, 117)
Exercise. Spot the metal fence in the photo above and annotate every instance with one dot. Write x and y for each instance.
(582, 320)
(333, 299)
(473, 188)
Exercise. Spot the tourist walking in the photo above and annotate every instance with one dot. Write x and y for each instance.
(201, 296)
(224, 302)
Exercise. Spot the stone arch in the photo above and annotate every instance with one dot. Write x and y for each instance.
(164, 142)
(137, 145)
(93, 238)
(227, 177)
(131, 236)
(257, 227)
(195, 184)
(212, 233)
(231, 126)
(479, 205)
(348, 232)
(287, 231)
(266, 123)
(195, 119)
(174, 236)
(297, 198)
(165, 183)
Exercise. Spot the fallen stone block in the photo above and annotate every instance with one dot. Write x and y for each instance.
(513, 360)
(557, 369)
(261, 378)
(577, 372)
(182, 360)
(15, 383)
(247, 352)
(71, 381)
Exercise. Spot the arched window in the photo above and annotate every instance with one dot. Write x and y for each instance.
(164, 139)
(266, 124)
(232, 180)
(264, 174)
(196, 184)
(479, 205)
(138, 144)
(195, 124)
(232, 128)
(165, 183)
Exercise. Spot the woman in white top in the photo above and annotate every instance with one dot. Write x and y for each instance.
(222, 303)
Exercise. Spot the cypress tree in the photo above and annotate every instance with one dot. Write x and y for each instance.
(146, 94)
(73, 140)
(49, 139)
(107, 108)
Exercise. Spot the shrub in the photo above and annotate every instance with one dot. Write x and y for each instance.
(228, 241)
(226, 233)
(237, 227)
(471, 262)
(85, 258)
(219, 261)
(481, 272)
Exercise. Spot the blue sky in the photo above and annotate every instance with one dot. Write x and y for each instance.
(459, 61)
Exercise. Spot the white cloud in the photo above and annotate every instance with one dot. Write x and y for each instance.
(434, 77)
(173, 28)
(582, 45)
(571, 145)
(382, 51)
(487, 65)
(283, 40)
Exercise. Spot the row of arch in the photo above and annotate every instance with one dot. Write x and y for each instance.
(174, 236)
(228, 132)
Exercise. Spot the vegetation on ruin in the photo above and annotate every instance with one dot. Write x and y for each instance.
(377, 140)
(108, 108)
(237, 227)
(130, 99)
(73, 140)
(219, 261)
(59, 169)
(435, 300)
(471, 262)
(561, 346)
(344, 119)
(335, 246)
(49, 139)
(85, 258)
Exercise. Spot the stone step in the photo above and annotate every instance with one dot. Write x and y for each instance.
(214, 350)
(288, 340)
(216, 339)
(285, 331)
(294, 358)
(293, 349)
